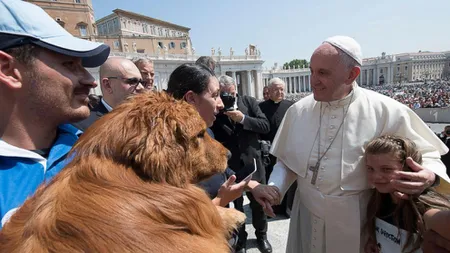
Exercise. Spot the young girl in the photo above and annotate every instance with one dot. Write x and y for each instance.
(395, 225)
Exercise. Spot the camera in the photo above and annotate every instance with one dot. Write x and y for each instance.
(228, 101)
(265, 147)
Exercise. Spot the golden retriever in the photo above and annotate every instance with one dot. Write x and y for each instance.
(130, 187)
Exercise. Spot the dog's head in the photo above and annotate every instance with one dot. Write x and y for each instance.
(162, 139)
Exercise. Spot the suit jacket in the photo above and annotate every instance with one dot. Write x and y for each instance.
(446, 158)
(97, 112)
(243, 139)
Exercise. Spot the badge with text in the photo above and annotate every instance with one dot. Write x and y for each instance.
(390, 239)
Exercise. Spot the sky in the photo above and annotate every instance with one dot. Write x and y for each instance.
(292, 29)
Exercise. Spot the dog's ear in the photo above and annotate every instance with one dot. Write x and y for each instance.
(165, 156)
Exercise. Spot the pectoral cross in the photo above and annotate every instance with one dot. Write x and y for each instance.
(315, 170)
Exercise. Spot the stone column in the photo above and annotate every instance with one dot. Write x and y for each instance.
(387, 78)
(376, 76)
(303, 88)
(293, 84)
(367, 77)
(250, 88)
(258, 84)
(309, 83)
(233, 75)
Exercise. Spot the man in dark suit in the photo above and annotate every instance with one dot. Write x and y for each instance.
(275, 108)
(445, 138)
(238, 130)
(119, 78)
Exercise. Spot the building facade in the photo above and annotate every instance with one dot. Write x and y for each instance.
(405, 67)
(126, 31)
(76, 16)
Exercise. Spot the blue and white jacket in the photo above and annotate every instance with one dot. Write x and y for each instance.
(22, 171)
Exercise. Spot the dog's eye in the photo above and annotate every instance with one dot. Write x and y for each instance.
(201, 134)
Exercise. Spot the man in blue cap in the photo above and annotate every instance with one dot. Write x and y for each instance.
(44, 86)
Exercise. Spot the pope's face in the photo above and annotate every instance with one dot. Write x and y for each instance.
(329, 76)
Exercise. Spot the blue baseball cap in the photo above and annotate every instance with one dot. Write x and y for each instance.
(24, 23)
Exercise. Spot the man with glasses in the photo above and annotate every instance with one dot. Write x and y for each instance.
(147, 71)
(119, 78)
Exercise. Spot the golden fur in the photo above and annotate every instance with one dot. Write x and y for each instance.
(130, 187)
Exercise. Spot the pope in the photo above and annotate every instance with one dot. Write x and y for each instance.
(320, 143)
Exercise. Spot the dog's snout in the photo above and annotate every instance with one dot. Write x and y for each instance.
(228, 154)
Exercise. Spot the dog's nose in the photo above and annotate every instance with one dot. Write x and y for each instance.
(228, 155)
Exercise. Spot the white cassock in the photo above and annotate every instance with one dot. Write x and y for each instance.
(327, 217)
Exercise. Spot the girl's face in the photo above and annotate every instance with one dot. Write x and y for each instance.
(381, 168)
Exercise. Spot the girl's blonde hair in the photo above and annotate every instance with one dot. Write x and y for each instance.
(409, 212)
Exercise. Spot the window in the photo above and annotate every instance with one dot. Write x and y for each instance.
(141, 51)
(174, 34)
(83, 30)
(60, 22)
(145, 28)
(78, 1)
(160, 32)
(183, 45)
(406, 68)
(152, 30)
(160, 44)
(172, 45)
(116, 44)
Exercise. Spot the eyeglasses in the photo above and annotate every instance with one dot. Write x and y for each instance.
(133, 81)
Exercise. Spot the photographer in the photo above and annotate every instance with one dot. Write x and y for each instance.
(238, 127)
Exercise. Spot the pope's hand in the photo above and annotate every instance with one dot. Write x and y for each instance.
(412, 183)
(267, 196)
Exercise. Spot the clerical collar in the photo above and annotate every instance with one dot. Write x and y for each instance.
(107, 106)
(276, 102)
(345, 100)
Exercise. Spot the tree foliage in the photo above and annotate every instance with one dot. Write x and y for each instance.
(296, 63)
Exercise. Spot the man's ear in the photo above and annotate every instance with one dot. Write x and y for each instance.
(9, 74)
(106, 85)
(190, 97)
(354, 73)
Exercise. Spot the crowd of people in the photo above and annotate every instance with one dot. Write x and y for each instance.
(336, 180)
(432, 94)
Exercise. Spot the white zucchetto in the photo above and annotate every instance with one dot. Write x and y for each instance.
(348, 45)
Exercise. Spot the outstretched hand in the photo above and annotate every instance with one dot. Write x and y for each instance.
(412, 183)
(230, 191)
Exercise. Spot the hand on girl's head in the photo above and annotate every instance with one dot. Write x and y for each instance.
(412, 182)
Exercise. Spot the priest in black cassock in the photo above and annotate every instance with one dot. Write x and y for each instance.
(274, 108)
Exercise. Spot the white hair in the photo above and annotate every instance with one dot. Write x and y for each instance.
(225, 81)
(276, 80)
